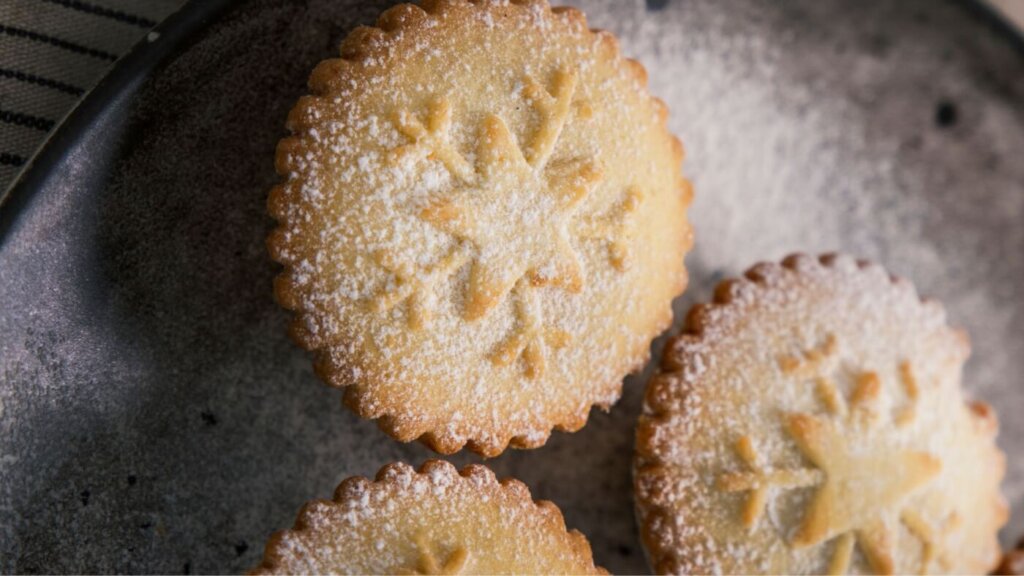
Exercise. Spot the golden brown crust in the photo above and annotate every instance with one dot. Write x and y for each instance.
(948, 467)
(1012, 563)
(382, 525)
(349, 356)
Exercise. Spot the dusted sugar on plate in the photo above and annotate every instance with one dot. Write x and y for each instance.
(483, 222)
(431, 521)
(811, 420)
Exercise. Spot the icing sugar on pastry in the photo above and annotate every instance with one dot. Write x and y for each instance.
(483, 222)
(811, 420)
(432, 521)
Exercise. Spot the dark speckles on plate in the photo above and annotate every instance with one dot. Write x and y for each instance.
(140, 338)
(945, 114)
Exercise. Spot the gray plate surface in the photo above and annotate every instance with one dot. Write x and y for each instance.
(155, 418)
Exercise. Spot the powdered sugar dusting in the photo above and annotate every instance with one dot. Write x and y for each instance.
(791, 357)
(481, 215)
(410, 520)
(767, 95)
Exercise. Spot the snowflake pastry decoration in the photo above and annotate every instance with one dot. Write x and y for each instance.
(511, 213)
(859, 494)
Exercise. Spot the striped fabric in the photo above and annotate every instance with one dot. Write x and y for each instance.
(51, 53)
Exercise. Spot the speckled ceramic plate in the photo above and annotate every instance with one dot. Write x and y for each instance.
(155, 418)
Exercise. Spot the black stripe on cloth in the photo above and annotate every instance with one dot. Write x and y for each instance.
(26, 120)
(36, 36)
(117, 15)
(40, 81)
(7, 159)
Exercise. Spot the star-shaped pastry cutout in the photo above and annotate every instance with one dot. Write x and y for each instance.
(861, 481)
(510, 211)
(862, 488)
(514, 206)
(515, 215)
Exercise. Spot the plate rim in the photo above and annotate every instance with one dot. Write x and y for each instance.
(183, 29)
(153, 51)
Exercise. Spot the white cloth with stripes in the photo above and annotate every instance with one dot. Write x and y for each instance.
(51, 53)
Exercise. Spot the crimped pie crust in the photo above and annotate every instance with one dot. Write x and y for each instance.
(483, 223)
(811, 420)
(431, 521)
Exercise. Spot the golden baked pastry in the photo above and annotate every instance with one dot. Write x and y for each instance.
(811, 420)
(432, 521)
(483, 223)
